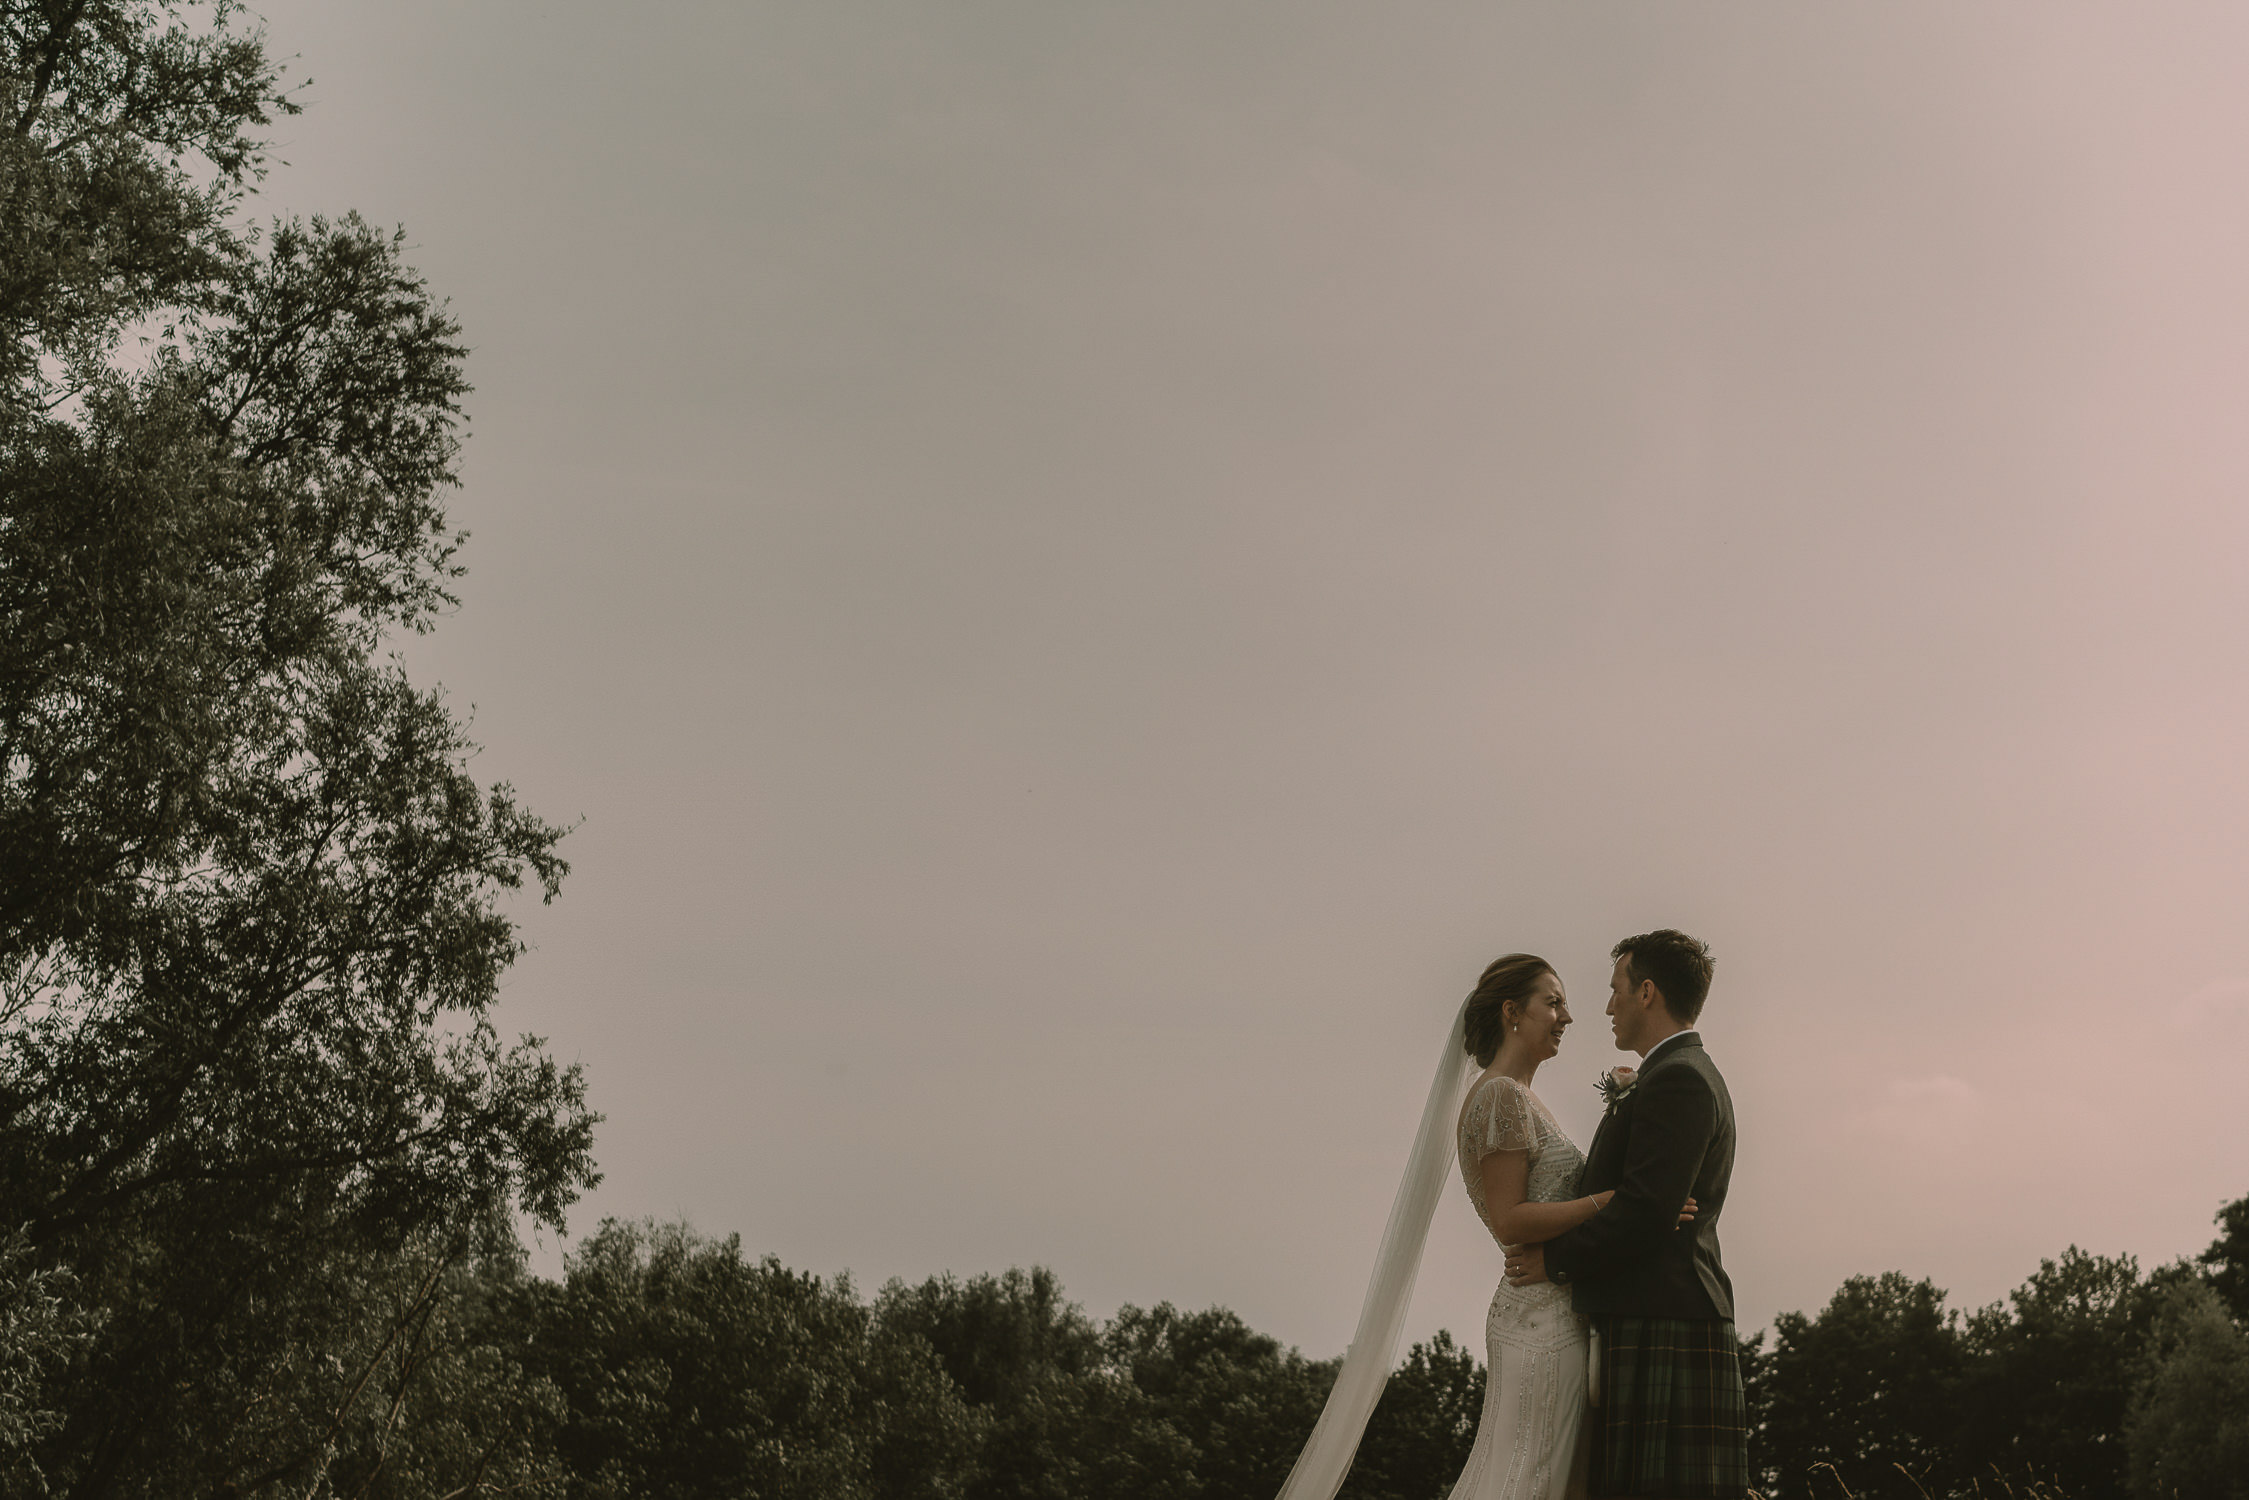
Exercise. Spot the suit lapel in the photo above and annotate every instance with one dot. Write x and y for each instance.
(1612, 1142)
(1604, 1160)
(1612, 1139)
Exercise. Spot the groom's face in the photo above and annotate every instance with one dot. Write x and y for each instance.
(1625, 1012)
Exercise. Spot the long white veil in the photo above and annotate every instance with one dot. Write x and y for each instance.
(1326, 1458)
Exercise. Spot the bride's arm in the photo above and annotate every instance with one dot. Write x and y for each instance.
(1506, 1181)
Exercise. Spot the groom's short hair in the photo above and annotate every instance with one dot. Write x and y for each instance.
(1679, 966)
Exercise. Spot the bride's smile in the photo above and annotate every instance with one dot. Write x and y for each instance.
(1538, 1026)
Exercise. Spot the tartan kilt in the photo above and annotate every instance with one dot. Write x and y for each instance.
(1671, 1419)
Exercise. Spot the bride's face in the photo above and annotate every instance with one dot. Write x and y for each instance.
(1546, 1015)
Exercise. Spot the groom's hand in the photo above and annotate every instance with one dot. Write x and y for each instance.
(1526, 1266)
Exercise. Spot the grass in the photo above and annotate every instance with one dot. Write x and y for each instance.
(2003, 1488)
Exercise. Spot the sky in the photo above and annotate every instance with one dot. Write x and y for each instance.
(1080, 569)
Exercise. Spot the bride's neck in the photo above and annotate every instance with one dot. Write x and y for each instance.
(1516, 1065)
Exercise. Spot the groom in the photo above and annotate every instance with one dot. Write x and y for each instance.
(1671, 1420)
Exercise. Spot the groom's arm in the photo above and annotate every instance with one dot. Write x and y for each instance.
(1673, 1123)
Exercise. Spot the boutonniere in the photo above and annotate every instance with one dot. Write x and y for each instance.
(1614, 1086)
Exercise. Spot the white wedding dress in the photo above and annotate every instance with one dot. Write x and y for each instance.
(1527, 1441)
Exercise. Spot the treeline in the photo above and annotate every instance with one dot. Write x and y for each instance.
(664, 1364)
(2090, 1381)
(681, 1367)
(667, 1364)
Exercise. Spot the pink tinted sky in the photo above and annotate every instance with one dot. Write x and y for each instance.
(1085, 567)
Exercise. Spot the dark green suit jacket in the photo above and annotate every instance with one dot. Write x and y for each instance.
(1669, 1139)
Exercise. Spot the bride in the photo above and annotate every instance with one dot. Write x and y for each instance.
(1521, 1171)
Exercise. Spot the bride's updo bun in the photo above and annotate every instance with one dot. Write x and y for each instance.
(1506, 986)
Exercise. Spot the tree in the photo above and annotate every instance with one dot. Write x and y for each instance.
(1757, 1403)
(1866, 1387)
(423, 1386)
(1419, 1436)
(997, 1336)
(40, 1333)
(690, 1371)
(1241, 1404)
(251, 901)
(2050, 1375)
(2226, 1262)
(2189, 1419)
(1061, 1419)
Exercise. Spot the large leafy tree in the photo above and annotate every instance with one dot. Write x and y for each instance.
(1860, 1396)
(2189, 1421)
(1061, 1419)
(1423, 1428)
(690, 1371)
(1241, 1404)
(2050, 1371)
(252, 904)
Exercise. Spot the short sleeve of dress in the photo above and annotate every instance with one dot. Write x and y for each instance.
(1500, 1118)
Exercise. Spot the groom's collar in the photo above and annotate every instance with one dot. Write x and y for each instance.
(1673, 1040)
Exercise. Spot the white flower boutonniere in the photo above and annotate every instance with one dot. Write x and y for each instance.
(1614, 1086)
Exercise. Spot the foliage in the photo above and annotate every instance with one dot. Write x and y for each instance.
(415, 1366)
(1160, 1402)
(1865, 1387)
(1757, 1397)
(2189, 1421)
(676, 1354)
(997, 1336)
(2075, 1384)
(1421, 1431)
(688, 1370)
(2226, 1262)
(1241, 1404)
(1060, 1420)
(251, 903)
(40, 1333)
(2049, 1375)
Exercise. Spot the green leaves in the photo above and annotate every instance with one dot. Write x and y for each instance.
(254, 910)
(1866, 1386)
(334, 383)
(1423, 1428)
(2227, 1259)
(131, 129)
(2050, 1374)
(41, 1331)
(2189, 1419)
(2084, 1382)
(691, 1371)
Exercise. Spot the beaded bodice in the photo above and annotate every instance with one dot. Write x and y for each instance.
(1503, 1115)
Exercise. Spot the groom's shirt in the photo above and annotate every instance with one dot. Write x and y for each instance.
(1689, 1035)
(1669, 1138)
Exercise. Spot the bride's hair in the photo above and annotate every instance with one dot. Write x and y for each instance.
(1506, 983)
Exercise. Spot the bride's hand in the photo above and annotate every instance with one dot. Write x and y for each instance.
(1687, 1214)
(1601, 1200)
